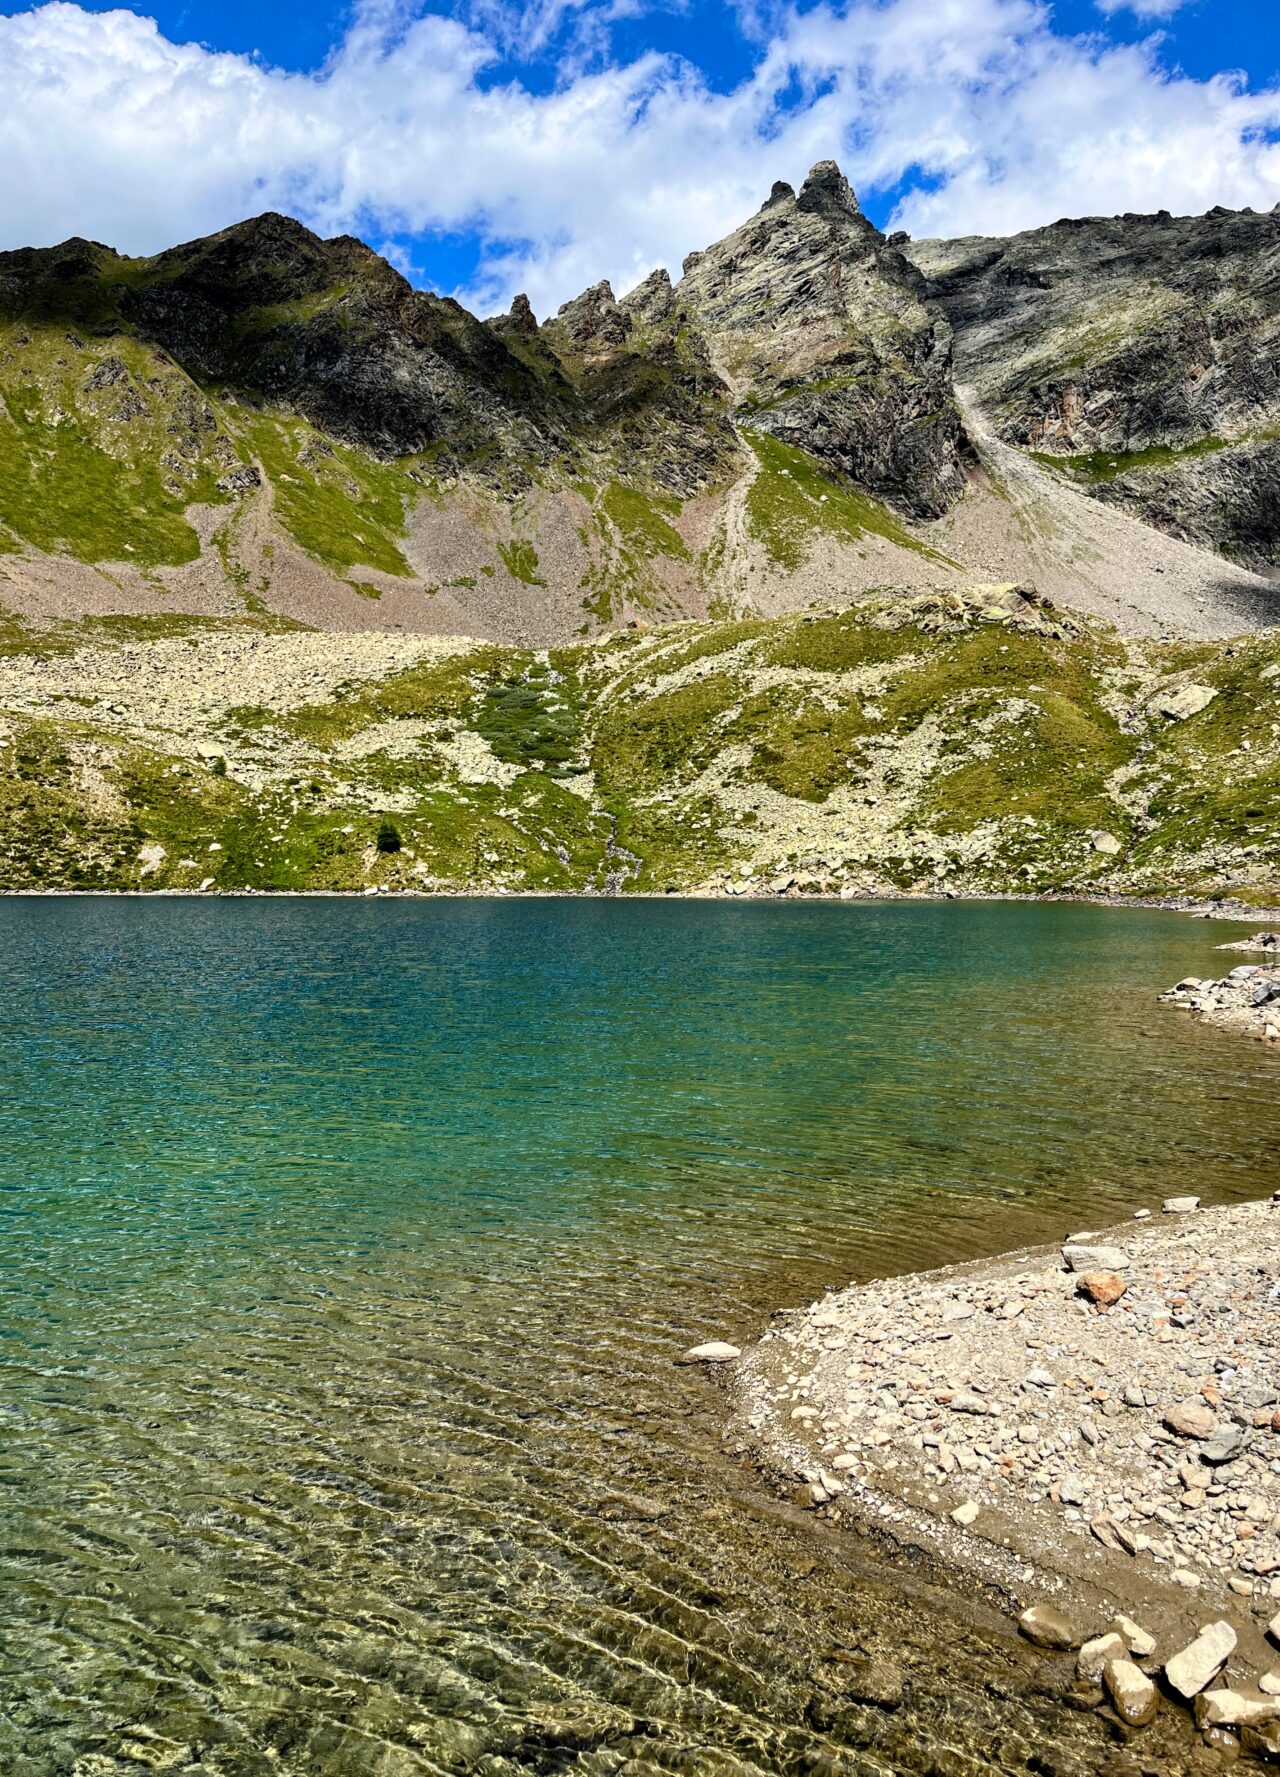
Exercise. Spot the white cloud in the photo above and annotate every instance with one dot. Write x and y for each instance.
(1144, 9)
(111, 130)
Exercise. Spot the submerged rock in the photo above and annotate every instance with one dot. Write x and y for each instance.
(1047, 1626)
(1133, 1695)
(715, 1351)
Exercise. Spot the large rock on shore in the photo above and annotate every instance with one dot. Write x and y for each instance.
(1189, 1671)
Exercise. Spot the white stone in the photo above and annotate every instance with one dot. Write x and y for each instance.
(1197, 1664)
(1235, 1709)
(715, 1351)
(1185, 701)
(1095, 1258)
(1179, 1206)
(1135, 1638)
(965, 1514)
(1095, 1656)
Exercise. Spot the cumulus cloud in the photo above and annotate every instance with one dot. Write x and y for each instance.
(987, 119)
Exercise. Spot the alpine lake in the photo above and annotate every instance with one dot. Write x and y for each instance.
(347, 1247)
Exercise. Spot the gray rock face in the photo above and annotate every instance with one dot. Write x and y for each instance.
(830, 342)
(1149, 344)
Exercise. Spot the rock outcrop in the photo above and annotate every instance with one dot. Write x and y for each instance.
(1143, 352)
(829, 341)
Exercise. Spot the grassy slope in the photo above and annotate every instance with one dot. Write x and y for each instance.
(893, 745)
(105, 445)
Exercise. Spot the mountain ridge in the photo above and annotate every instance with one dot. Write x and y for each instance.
(263, 420)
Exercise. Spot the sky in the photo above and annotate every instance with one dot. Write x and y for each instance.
(488, 147)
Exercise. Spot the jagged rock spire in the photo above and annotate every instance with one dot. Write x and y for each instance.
(522, 317)
(652, 300)
(593, 319)
(827, 189)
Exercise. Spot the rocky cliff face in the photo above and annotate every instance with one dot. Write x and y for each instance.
(830, 342)
(1142, 353)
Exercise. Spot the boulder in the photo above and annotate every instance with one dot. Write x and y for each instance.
(1046, 1626)
(1103, 1287)
(1192, 1419)
(1133, 1696)
(1179, 1206)
(1235, 1709)
(1095, 1656)
(1191, 1670)
(1135, 1638)
(1185, 701)
(1095, 1258)
(1263, 1742)
(1224, 1446)
(715, 1351)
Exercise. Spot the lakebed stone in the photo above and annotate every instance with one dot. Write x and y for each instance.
(715, 1351)
(1047, 1626)
(1095, 1656)
(1133, 1695)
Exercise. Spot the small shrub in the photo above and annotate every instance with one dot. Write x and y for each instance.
(388, 837)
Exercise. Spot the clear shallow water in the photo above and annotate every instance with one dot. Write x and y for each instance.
(344, 1250)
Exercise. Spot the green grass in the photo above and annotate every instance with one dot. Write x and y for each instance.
(643, 521)
(791, 504)
(641, 747)
(530, 722)
(1102, 466)
(74, 480)
(842, 643)
(520, 559)
(987, 727)
(341, 507)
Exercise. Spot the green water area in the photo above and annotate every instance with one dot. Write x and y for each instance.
(345, 1250)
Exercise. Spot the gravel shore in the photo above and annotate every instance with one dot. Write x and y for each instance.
(1095, 1425)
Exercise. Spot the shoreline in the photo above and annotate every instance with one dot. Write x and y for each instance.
(1198, 907)
(992, 1423)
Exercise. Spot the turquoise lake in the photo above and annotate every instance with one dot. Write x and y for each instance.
(345, 1248)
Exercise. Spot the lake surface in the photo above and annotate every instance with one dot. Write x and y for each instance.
(344, 1252)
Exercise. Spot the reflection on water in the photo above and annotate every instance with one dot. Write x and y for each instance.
(345, 1252)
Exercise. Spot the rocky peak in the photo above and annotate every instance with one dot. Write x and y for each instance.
(781, 191)
(826, 335)
(651, 301)
(593, 321)
(826, 192)
(519, 318)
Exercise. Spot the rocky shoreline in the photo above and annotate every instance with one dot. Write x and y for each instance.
(1089, 1434)
(1246, 999)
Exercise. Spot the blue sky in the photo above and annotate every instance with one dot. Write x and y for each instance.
(488, 146)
